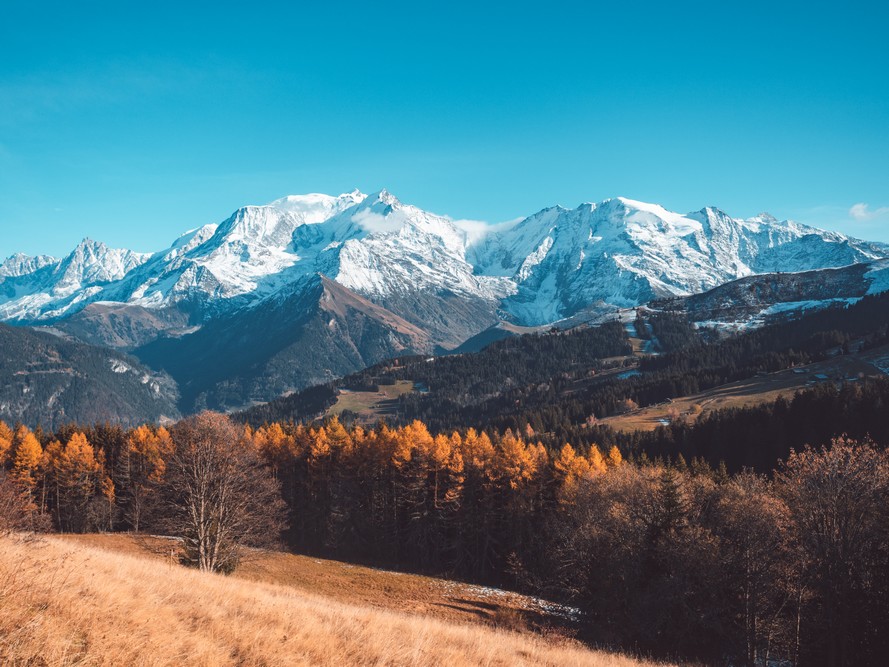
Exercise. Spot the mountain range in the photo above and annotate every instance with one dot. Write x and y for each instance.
(312, 287)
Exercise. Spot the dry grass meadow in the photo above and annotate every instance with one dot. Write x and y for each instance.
(71, 602)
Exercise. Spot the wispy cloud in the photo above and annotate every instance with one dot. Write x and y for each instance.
(862, 211)
(32, 96)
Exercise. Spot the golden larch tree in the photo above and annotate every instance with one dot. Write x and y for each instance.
(6, 436)
(26, 459)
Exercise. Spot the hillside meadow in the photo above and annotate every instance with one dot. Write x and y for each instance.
(66, 602)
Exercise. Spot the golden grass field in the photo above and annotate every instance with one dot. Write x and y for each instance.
(70, 602)
(395, 591)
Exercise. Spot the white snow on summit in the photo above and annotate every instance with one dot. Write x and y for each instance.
(545, 267)
(314, 208)
(626, 252)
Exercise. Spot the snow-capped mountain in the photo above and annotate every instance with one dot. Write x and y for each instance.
(382, 247)
(309, 287)
(20, 264)
(546, 267)
(626, 253)
(45, 288)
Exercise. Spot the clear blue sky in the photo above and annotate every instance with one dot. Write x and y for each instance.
(132, 122)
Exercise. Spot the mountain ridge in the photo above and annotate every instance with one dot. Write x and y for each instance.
(311, 287)
(50, 380)
(543, 268)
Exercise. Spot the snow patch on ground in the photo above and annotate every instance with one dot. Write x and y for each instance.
(527, 602)
(879, 277)
(801, 306)
(117, 366)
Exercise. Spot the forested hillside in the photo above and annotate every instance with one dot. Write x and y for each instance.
(561, 383)
(51, 381)
(504, 372)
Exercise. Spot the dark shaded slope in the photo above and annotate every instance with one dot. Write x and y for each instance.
(50, 381)
(320, 332)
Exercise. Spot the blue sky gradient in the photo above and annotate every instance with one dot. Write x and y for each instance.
(131, 124)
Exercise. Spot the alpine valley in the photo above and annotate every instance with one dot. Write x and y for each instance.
(313, 287)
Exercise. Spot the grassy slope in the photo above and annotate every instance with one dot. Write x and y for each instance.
(372, 405)
(440, 598)
(67, 602)
(749, 392)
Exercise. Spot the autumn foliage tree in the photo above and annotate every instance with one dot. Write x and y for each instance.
(140, 471)
(6, 436)
(27, 457)
(76, 475)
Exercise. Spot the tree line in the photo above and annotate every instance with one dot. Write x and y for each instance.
(561, 381)
(454, 385)
(672, 558)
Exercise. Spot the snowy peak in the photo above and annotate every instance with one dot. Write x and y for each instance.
(315, 207)
(383, 248)
(190, 240)
(626, 252)
(632, 207)
(548, 266)
(257, 226)
(767, 218)
(93, 263)
(21, 264)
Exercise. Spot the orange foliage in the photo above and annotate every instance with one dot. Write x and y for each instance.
(6, 436)
(26, 458)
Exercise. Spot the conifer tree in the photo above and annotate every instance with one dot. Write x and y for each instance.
(140, 471)
(26, 459)
(78, 475)
(6, 437)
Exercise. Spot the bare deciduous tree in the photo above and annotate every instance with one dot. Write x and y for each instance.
(16, 512)
(838, 498)
(221, 496)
